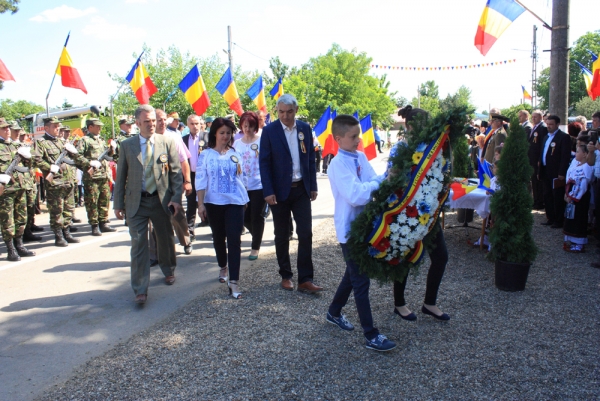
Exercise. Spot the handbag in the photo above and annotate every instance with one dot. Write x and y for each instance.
(570, 211)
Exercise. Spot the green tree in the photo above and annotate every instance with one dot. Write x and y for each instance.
(340, 78)
(430, 89)
(512, 112)
(66, 104)
(9, 5)
(461, 98)
(11, 110)
(579, 52)
(587, 107)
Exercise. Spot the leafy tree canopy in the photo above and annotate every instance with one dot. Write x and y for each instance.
(587, 107)
(579, 52)
(11, 110)
(513, 111)
(9, 5)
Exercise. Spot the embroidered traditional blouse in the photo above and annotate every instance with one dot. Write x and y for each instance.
(250, 164)
(219, 177)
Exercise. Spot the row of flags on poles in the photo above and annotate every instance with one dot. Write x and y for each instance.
(328, 144)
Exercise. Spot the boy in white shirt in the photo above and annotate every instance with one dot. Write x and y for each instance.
(352, 181)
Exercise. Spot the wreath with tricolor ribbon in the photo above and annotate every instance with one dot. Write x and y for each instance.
(391, 234)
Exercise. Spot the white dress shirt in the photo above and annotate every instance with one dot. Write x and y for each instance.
(292, 139)
(193, 144)
(547, 145)
(183, 152)
(352, 181)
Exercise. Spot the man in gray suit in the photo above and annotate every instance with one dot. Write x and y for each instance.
(149, 185)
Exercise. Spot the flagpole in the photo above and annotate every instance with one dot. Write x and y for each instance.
(112, 109)
(534, 14)
(54, 76)
(167, 99)
(112, 112)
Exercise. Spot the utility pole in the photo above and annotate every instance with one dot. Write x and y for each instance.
(229, 43)
(534, 69)
(559, 61)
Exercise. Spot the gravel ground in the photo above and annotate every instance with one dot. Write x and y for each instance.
(541, 343)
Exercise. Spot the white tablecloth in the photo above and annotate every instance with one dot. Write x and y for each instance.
(476, 199)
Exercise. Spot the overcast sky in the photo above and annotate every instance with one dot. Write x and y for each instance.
(423, 33)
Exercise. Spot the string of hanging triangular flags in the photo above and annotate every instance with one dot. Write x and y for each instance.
(447, 68)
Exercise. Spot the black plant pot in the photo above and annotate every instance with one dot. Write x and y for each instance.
(464, 215)
(511, 276)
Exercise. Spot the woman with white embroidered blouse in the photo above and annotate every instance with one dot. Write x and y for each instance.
(248, 148)
(222, 198)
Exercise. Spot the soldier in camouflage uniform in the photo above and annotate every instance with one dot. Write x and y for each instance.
(65, 134)
(13, 206)
(95, 176)
(59, 184)
(125, 124)
(30, 188)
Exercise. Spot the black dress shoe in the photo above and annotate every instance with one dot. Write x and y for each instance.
(426, 311)
(548, 223)
(411, 316)
(556, 225)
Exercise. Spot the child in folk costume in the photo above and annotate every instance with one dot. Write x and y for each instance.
(577, 196)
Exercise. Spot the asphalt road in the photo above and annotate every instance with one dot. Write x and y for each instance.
(67, 305)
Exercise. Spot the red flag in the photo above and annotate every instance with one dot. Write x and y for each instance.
(5, 75)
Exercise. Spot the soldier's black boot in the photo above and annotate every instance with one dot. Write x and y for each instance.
(36, 228)
(29, 236)
(12, 255)
(73, 229)
(105, 228)
(21, 250)
(75, 220)
(96, 231)
(68, 237)
(59, 239)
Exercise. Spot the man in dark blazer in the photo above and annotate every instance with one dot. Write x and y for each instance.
(289, 178)
(554, 162)
(149, 182)
(535, 135)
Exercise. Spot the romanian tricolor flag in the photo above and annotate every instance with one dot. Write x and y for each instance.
(368, 137)
(323, 133)
(485, 175)
(496, 17)
(68, 74)
(460, 189)
(226, 87)
(360, 141)
(257, 94)
(194, 91)
(526, 94)
(5, 75)
(595, 87)
(587, 77)
(277, 90)
(140, 82)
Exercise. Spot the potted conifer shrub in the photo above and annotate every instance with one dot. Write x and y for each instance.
(513, 248)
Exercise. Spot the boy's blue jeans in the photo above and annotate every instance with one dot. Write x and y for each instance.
(354, 280)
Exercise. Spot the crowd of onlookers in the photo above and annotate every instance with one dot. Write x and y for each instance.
(565, 181)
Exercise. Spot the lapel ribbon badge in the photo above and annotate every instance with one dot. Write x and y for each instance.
(164, 158)
(200, 146)
(237, 164)
(254, 147)
(301, 139)
(553, 145)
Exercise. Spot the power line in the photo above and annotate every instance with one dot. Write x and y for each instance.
(249, 52)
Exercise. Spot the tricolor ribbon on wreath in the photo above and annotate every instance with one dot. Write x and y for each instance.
(411, 213)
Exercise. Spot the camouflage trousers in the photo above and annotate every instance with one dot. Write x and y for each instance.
(61, 205)
(96, 200)
(13, 214)
(30, 195)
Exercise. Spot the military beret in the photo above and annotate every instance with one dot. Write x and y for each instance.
(174, 115)
(126, 121)
(499, 117)
(93, 121)
(51, 120)
(210, 119)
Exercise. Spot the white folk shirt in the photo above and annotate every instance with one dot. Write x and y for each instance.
(250, 164)
(218, 176)
(193, 144)
(352, 180)
(292, 139)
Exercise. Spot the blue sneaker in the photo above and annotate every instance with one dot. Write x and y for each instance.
(341, 322)
(380, 343)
